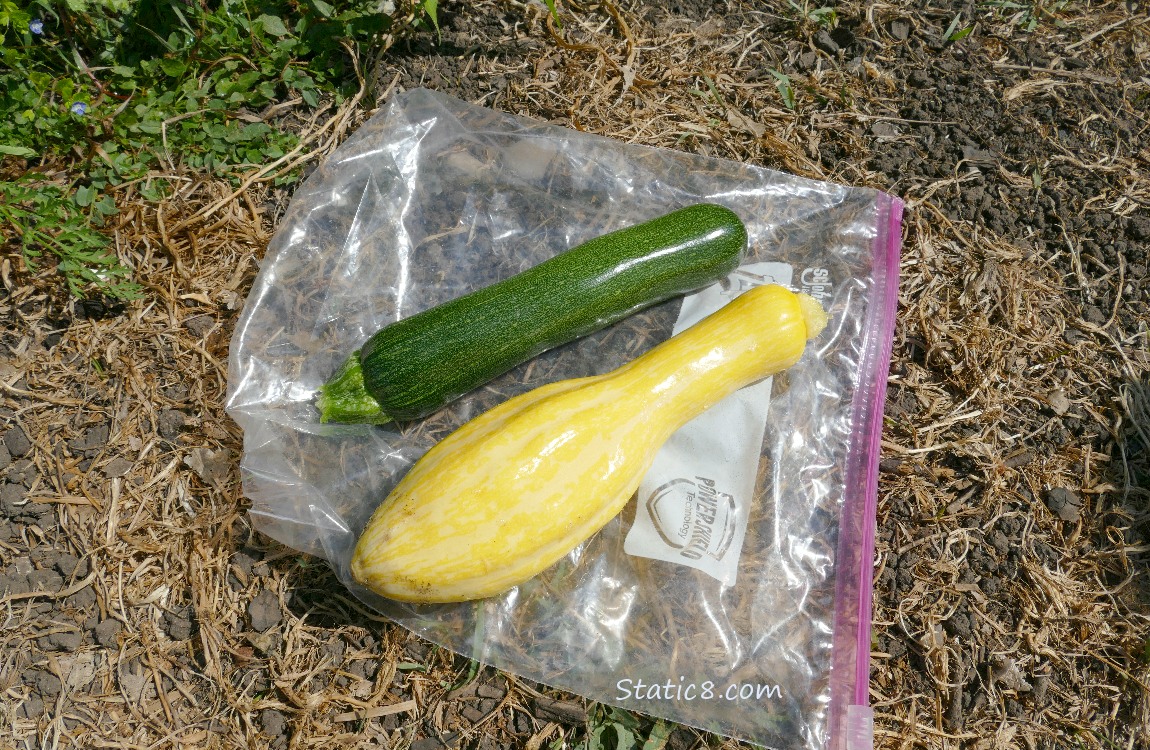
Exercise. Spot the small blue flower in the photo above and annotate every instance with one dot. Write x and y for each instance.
(36, 26)
(79, 108)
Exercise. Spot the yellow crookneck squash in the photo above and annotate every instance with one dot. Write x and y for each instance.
(514, 490)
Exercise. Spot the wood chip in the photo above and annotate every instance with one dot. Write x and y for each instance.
(564, 712)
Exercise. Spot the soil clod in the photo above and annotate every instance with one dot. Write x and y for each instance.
(264, 611)
(17, 442)
(107, 633)
(1064, 503)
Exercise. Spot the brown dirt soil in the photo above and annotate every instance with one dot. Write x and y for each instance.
(1012, 600)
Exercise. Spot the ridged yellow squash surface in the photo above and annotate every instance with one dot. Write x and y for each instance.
(512, 491)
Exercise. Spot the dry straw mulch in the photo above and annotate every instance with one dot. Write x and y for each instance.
(1011, 598)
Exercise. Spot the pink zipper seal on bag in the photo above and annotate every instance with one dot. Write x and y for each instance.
(851, 720)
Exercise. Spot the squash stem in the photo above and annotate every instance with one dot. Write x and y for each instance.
(343, 398)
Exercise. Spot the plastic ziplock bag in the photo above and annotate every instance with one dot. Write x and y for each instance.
(733, 593)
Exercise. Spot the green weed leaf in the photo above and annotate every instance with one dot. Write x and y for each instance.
(273, 25)
(84, 196)
(624, 738)
(960, 34)
(659, 735)
(784, 87)
(554, 12)
(172, 67)
(105, 206)
(431, 8)
(825, 17)
(953, 25)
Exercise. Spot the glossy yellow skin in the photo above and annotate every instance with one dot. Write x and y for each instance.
(511, 492)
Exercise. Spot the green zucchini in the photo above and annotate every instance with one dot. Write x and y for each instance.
(415, 366)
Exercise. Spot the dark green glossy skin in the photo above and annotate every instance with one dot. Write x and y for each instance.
(417, 365)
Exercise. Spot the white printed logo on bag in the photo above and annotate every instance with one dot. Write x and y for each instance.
(694, 518)
(695, 501)
(816, 282)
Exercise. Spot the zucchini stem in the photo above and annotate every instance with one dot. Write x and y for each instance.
(343, 398)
